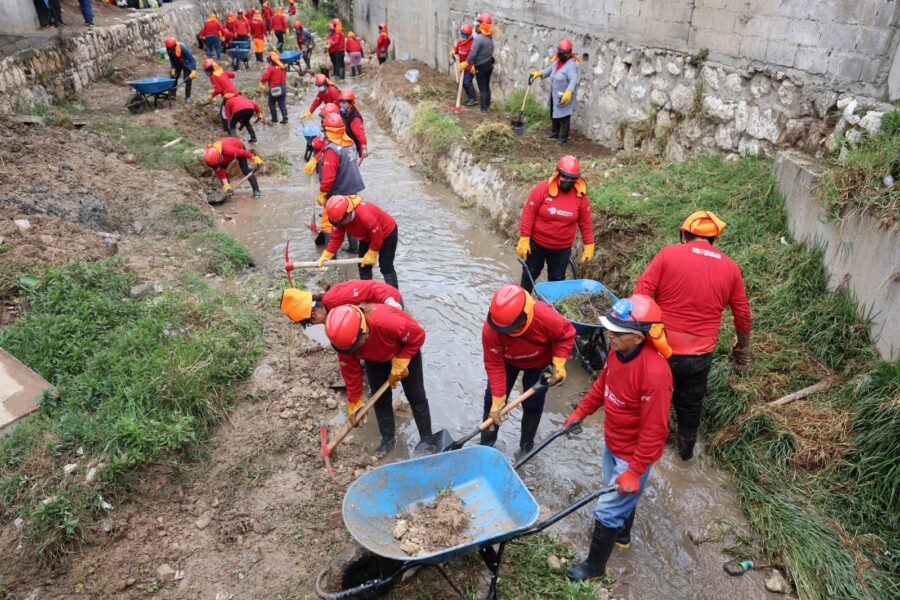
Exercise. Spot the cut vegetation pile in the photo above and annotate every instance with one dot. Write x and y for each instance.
(584, 308)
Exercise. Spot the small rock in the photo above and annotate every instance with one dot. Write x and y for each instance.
(130, 158)
(331, 403)
(79, 451)
(241, 576)
(144, 289)
(553, 562)
(106, 526)
(204, 520)
(23, 224)
(602, 594)
(178, 576)
(164, 572)
(18, 522)
(69, 468)
(287, 414)
(400, 529)
(46, 240)
(91, 474)
(262, 371)
(137, 227)
(130, 582)
(775, 582)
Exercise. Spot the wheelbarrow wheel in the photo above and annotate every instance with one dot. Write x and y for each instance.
(136, 104)
(358, 575)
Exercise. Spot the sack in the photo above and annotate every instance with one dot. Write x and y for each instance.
(276, 92)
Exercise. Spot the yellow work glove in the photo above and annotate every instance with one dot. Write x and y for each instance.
(559, 369)
(262, 88)
(588, 253)
(310, 167)
(257, 160)
(320, 198)
(536, 74)
(172, 72)
(496, 404)
(326, 255)
(193, 75)
(352, 407)
(211, 96)
(463, 66)
(399, 370)
(566, 98)
(226, 187)
(523, 248)
(452, 52)
(369, 259)
(306, 115)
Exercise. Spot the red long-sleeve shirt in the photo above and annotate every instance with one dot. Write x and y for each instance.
(241, 27)
(636, 396)
(275, 75)
(353, 45)
(382, 43)
(330, 162)
(692, 283)
(331, 94)
(359, 291)
(232, 148)
(550, 336)
(336, 42)
(258, 29)
(359, 132)
(462, 48)
(267, 16)
(552, 221)
(212, 28)
(231, 24)
(369, 224)
(222, 84)
(238, 103)
(392, 333)
(279, 23)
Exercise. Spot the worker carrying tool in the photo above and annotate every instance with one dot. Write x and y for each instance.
(275, 76)
(305, 41)
(563, 73)
(240, 110)
(328, 93)
(481, 57)
(308, 308)
(382, 43)
(219, 155)
(388, 342)
(375, 229)
(353, 123)
(181, 63)
(693, 282)
(521, 335)
(461, 50)
(635, 389)
(554, 211)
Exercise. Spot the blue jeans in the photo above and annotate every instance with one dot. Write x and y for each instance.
(535, 404)
(612, 509)
(87, 11)
(213, 42)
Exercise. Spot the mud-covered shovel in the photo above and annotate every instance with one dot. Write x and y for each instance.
(519, 123)
(328, 447)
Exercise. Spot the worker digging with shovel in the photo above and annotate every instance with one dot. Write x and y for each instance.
(308, 308)
(219, 155)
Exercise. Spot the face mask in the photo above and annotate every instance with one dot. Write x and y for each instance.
(462, 36)
(343, 110)
(321, 88)
(566, 184)
(563, 57)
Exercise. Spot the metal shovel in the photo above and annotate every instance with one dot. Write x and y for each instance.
(518, 124)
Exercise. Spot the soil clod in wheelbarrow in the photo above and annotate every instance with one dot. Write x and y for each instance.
(584, 308)
(433, 526)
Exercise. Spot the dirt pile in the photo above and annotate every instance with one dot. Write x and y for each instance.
(584, 308)
(433, 526)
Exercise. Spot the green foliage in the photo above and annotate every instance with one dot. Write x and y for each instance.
(192, 215)
(280, 163)
(139, 383)
(536, 113)
(146, 141)
(890, 124)
(527, 576)
(317, 21)
(492, 138)
(220, 253)
(435, 128)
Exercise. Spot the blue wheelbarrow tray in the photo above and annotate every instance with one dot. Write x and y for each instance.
(498, 503)
(310, 132)
(554, 291)
(238, 52)
(154, 85)
(290, 57)
(240, 44)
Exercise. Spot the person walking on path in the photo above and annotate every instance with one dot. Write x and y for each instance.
(212, 34)
(258, 33)
(276, 77)
(219, 155)
(563, 73)
(241, 29)
(375, 229)
(388, 342)
(635, 389)
(87, 11)
(305, 42)
(481, 57)
(355, 51)
(308, 308)
(353, 123)
(181, 63)
(461, 51)
(521, 335)
(693, 282)
(328, 93)
(279, 26)
(240, 110)
(336, 45)
(267, 15)
(382, 44)
(555, 209)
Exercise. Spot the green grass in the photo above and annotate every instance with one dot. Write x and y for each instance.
(492, 138)
(146, 142)
(280, 163)
(436, 128)
(536, 113)
(191, 215)
(221, 254)
(139, 383)
(318, 21)
(856, 181)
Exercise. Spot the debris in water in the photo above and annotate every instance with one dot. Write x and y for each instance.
(584, 308)
(433, 526)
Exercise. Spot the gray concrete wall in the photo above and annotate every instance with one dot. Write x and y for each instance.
(18, 17)
(859, 251)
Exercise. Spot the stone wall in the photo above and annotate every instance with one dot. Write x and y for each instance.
(17, 16)
(67, 64)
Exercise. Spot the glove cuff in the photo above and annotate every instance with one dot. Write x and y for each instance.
(497, 402)
(327, 255)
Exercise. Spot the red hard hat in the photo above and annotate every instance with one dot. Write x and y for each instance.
(207, 64)
(345, 326)
(333, 121)
(240, 11)
(329, 109)
(170, 42)
(568, 166)
(321, 79)
(466, 29)
(331, 27)
(335, 21)
(565, 46)
(348, 96)
(635, 313)
(485, 18)
(298, 25)
(212, 156)
(317, 144)
(512, 309)
(336, 207)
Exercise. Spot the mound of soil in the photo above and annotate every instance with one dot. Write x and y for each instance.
(584, 308)
(433, 526)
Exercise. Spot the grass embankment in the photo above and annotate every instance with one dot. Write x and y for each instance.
(139, 383)
(146, 142)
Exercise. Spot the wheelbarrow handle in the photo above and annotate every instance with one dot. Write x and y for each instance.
(572, 266)
(574, 427)
(584, 500)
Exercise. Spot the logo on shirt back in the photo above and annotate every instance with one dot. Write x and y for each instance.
(708, 253)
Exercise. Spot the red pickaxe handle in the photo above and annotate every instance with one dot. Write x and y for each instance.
(288, 265)
(328, 447)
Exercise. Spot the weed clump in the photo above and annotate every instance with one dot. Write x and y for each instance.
(220, 253)
(436, 128)
(493, 138)
(146, 142)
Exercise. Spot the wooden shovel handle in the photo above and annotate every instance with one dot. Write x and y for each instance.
(343, 431)
(312, 264)
(459, 91)
(511, 405)
(525, 99)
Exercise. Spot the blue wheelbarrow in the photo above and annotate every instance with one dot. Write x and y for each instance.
(310, 132)
(149, 93)
(291, 58)
(500, 507)
(590, 345)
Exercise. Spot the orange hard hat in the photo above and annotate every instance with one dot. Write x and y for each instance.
(321, 79)
(351, 35)
(348, 96)
(273, 56)
(345, 327)
(568, 166)
(208, 64)
(212, 156)
(485, 18)
(170, 42)
(337, 207)
(704, 223)
(333, 121)
(297, 304)
(512, 309)
(565, 45)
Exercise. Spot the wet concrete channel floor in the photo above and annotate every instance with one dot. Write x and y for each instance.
(449, 264)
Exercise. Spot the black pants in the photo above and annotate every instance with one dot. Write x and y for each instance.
(55, 13)
(467, 84)
(281, 101)
(385, 260)
(483, 79)
(43, 12)
(689, 375)
(414, 389)
(560, 127)
(222, 117)
(242, 117)
(533, 406)
(382, 58)
(245, 169)
(182, 71)
(337, 59)
(556, 260)
(279, 35)
(306, 54)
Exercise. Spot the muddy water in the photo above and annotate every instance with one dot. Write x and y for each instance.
(449, 264)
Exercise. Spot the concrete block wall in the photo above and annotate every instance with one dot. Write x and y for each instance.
(17, 16)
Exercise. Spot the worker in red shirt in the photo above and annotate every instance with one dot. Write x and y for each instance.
(375, 229)
(338, 169)
(212, 34)
(355, 52)
(336, 45)
(276, 76)
(220, 79)
(461, 50)
(219, 155)
(258, 32)
(308, 308)
(328, 92)
(353, 123)
(241, 29)
(521, 335)
(279, 26)
(388, 341)
(693, 282)
(382, 43)
(267, 16)
(554, 211)
(239, 110)
(635, 389)
(292, 8)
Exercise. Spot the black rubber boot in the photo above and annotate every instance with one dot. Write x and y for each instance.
(563, 131)
(489, 435)
(385, 420)
(686, 441)
(320, 238)
(594, 565)
(530, 423)
(623, 539)
(422, 417)
(554, 131)
(384, 448)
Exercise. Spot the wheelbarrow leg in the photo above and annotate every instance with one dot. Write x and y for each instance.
(446, 577)
(492, 559)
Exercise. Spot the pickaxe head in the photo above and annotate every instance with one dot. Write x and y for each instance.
(326, 453)
(288, 265)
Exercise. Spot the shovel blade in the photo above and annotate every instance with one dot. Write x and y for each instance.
(434, 444)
